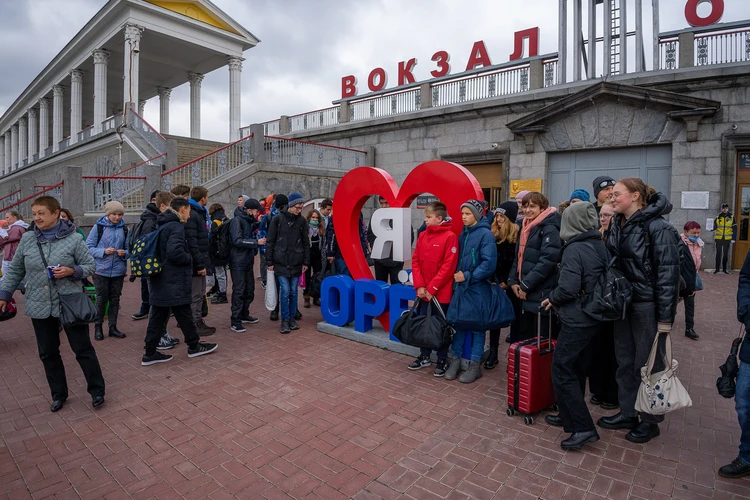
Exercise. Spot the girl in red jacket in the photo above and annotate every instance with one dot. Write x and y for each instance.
(433, 264)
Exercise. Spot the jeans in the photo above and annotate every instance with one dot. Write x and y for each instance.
(198, 295)
(383, 273)
(633, 339)
(221, 278)
(47, 333)
(477, 344)
(287, 296)
(442, 354)
(569, 377)
(243, 293)
(689, 312)
(157, 324)
(341, 266)
(145, 296)
(108, 290)
(742, 405)
(722, 254)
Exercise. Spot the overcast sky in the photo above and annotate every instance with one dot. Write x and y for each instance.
(308, 45)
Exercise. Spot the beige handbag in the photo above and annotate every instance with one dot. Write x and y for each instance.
(661, 392)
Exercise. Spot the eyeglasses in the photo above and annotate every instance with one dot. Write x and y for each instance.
(604, 184)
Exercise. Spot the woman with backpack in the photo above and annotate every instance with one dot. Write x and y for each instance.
(218, 260)
(644, 247)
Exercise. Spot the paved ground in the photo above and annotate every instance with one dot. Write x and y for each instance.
(310, 415)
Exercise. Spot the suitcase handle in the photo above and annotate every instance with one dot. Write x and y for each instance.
(539, 333)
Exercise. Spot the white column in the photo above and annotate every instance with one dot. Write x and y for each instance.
(592, 40)
(23, 140)
(57, 116)
(141, 107)
(33, 132)
(14, 147)
(623, 37)
(8, 141)
(195, 80)
(2, 155)
(607, 55)
(130, 76)
(640, 62)
(235, 97)
(101, 58)
(577, 39)
(656, 28)
(43, 125)
(164, 95)
(562, 42)
(76, 104)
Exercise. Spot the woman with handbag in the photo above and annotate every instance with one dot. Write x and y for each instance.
(534, 270)
(644, 247)
(691, 236)
(54, 259)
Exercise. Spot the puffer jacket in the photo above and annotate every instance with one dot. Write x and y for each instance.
(196, 232)
(244, 244)
(477, 253)
(66, 249)
(743, 306)
(434, 261)
(584, 258)
(113, 236)
(148, 217)
(540, 259)
(10, 243)
(506, 254)
(217, 219)
(172, 286)
(288, 247)
(650, 262)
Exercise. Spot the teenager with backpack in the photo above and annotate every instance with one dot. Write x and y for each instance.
(146, 225)
(244, 247)
(107, 244)
(218, 259)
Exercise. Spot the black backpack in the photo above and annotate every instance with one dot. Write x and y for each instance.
(608, 300)
(223, 240)
(688, 274)
(134, 235)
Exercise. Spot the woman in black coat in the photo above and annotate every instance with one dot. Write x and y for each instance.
(534, 270)
(645, 248)
(584, 259)
(316, 234)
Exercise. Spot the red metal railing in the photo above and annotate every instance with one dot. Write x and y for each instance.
(17, 191)
(134, 167)
(30, 198)
(100, 189)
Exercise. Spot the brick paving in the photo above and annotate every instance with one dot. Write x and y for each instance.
(308, 415)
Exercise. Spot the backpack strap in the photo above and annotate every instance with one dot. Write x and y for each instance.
(100, 233)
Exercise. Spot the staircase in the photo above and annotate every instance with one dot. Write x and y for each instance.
(189, 149)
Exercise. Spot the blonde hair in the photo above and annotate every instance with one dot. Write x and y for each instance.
(507, 232)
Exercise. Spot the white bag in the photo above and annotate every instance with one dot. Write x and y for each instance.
(272, 297)
(661, 392)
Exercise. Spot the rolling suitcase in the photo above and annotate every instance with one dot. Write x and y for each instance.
(530, 374)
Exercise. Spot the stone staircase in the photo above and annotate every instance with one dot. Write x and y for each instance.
(189, 149)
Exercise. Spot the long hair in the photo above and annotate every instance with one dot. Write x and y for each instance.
(507, 232)
(636, 185)
(321, 226)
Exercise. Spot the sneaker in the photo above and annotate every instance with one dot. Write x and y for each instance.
(140, 315)
(284, 326)
(164, 343)
(238, 328)
(293, 324)
(440, 368)
(250, 319)
(220, 298)
(420, 362)
(263, 285)
(174, 340)
(157, 357)
(202, 349)
(738, 468)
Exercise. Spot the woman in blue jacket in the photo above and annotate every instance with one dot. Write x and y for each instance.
(106, 244)
(476, 265)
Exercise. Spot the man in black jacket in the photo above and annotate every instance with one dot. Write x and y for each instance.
(196, 232)
(384, 268)
(241, 259)
(148, 217)
(170, 289)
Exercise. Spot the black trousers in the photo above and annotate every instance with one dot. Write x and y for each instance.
(602, 370)
(689, 312)
(243, 293)
(722, 254)
(383, 273)
(145, 296)
(316, 265)
(108, 290)
(157, 325)
(47, 333)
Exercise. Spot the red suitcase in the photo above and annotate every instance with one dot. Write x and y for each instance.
(530, 375)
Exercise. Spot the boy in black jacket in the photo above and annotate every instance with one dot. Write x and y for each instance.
(241, 260)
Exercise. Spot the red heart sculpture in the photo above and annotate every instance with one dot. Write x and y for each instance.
(450, 182)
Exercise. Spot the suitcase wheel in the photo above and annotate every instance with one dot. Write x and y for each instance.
(510, 411)
(528, 420)
(555, 407)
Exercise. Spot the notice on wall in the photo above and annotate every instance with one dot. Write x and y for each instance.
(709, 224)
(425, 199)
(518, 185)
(695, 200)
(744, 160)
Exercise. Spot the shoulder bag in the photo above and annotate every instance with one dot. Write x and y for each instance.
(430, 331)
(661, 392)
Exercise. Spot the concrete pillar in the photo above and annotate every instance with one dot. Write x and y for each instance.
(43, 125)
(33, 133)
(101, 60)
(655, 32)
(425, 96)
(591, 74)
(7, 165)
(257, 143)
(171, 157)
(577, 39)
(686, 44)
(132, 50)
(164, 95)
(195, 80)
(623, 38)
(2, 155)
(23, 140)
(72, 189)
(640, 59)
(536, 74)
(153, 178)
(283, 125)
(344, 112)
(57, 117)
(14, 147)
(562, 41)
(607, 55)
(370, 159)
(76, 104)
(235, 97)
(141, 107)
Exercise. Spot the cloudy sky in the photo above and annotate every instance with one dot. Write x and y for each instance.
(308, 45)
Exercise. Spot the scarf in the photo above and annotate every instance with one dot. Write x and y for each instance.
(528, 225)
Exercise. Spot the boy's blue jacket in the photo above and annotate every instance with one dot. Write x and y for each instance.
(477, 252)
(112, 236)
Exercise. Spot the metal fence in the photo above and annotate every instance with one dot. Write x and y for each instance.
(385, 105)
(23, 206)
(314, 119)
(668, 50)
(484, 86)
(295, 152)
(149, 134)
(99, 190)
(112, 122)
(210, 166)
(550, 72)
(722, 48)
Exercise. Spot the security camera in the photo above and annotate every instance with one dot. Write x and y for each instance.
(734, 127)
(494, 145)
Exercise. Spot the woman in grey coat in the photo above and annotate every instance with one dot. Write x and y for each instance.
(67, 255)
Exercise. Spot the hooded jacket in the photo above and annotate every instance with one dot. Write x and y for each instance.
(9, 243)
(66, 249)
(217, 219)
(148, 216)
(113, 236)
(477, 253)
(651, 262)
(288, 247)
(435, 259)
(540, 259)
(244, 244)
(196, 232)
(172, 286)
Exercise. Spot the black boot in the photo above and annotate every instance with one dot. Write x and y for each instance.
(114, 332)
(690, 333)
(491, 361)
(738, 468)
(578, 439)
(220, 298)
(643, 433)
(275, 314)
(618, 421)
(98, 332)
(298, 315)
(554, 420)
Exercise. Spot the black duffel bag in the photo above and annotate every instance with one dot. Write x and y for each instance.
(329, 269)
(430, 331)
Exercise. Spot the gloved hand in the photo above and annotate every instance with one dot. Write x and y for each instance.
(664, 328)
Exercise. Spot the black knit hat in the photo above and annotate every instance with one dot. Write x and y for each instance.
(252, 203)
(281, 201)
(508, 209)
(602, 179)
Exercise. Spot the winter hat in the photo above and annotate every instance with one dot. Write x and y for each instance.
(114, 207)
(252, 203)
(244, 198)
(581, 194)
(601, 180)
(294, 198)
(153, 195)
(508, 209)
(578, 218)
(476, 208)
(281, 201)
(725, 205)
(521, 194)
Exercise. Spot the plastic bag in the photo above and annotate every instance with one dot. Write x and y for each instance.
(272, 297)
